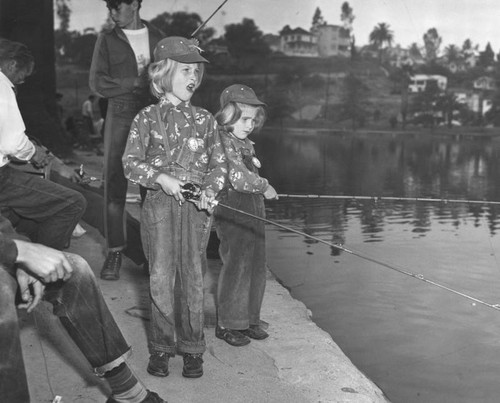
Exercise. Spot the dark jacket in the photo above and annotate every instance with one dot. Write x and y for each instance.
(113, 71)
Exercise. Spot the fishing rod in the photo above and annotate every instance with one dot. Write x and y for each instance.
(363, 256)
(208, 19)
(386, 198)
(192, 192)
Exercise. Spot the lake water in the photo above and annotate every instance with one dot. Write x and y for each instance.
(417, 342)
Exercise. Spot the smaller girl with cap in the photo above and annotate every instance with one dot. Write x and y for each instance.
(242, 279)
(171, 144)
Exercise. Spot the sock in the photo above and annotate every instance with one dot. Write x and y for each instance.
(124, 385)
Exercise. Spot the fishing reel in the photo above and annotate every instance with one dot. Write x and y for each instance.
(191, 191)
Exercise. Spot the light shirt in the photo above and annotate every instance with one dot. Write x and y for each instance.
(87, 109)
(139, 41)
(13, 139)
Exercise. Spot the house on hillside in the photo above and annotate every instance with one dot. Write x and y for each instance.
(298, 42)
(333, 40)
(418, 82)
(484, 83)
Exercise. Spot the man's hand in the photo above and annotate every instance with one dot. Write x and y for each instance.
(41, 157)
(31, 297)
(65, 171)
(43, 262)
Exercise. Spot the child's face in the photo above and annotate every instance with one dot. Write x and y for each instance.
(246, 123)
(185, 80)
(124, 15)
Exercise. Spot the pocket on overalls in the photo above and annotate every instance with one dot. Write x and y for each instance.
(156, 205)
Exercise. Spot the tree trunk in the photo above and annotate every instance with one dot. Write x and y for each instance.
(32, 23)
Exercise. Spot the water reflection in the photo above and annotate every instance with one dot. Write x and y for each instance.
(418, 343)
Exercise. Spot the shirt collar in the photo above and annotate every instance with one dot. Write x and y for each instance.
(5, 79)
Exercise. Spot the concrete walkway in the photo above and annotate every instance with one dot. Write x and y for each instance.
(298, 362)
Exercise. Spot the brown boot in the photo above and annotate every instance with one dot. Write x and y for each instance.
(111, 267)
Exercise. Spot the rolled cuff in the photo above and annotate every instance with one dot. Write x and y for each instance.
(100, 371)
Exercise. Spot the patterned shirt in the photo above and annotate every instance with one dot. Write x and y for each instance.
(145, 155)
(242, 164)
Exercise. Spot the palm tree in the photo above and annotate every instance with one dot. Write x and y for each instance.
(381, 34)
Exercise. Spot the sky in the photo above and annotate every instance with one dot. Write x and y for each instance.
(455, 20)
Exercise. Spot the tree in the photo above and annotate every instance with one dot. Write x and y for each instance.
(347, 17)
(432, 42)
(487, 57)
(353, 99)
(246, 44)
(182, 24)
(381, 35)
(452, 53)
(317, 20)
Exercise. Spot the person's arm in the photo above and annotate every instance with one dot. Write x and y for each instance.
(217, 164)
(241, 178)
(13, 141)
(100, 79)
(135, 166)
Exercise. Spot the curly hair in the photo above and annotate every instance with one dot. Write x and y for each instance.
(10, 50)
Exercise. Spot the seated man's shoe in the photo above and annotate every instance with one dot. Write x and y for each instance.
(152, 397)
(255, 332)
(158, 364)
(111, 267)
(232, 337)
(193, 365)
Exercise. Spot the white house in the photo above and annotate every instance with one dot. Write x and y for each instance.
(418, 82)
(298, 42)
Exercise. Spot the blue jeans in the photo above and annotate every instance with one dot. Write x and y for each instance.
(82, 311)
(175, 239)
(119, 117)
(242, 279)
(55, 209)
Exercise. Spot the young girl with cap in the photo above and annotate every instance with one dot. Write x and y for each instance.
(242, 279)
(170, 144)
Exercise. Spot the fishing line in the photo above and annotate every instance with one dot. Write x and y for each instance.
(386, 198)
(208, 19)
(363, 256)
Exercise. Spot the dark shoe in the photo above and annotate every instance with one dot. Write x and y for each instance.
(255, 332)
(158, 364)
(230, 336)
(152, 397)
(193, 365)
(111, 267)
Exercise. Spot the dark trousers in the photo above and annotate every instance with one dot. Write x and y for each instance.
(55, 209)
(82, 311)
(242, 279)
(94, 216)
(119, 117)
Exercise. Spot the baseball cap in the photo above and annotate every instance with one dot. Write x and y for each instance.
(180, 49)
(239, 93)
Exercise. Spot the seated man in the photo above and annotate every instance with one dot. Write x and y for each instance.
(58, 172)
(67, 282)
(56, 210)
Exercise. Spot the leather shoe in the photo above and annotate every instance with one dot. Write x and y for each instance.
(193, 365)
(111, 267)
(232, 337)
(255, 332)
(158, 364)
